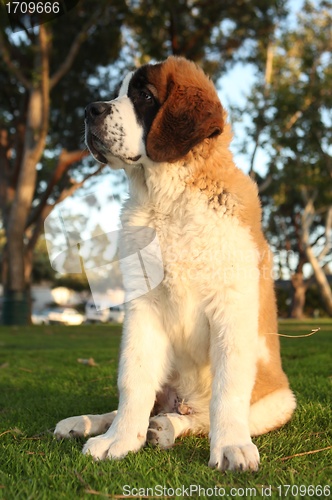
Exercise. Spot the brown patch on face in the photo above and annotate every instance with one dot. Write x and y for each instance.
(190, 109)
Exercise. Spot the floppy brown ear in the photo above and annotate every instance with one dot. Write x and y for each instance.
(186, 118)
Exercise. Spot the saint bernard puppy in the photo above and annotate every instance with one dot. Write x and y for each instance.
(199, 353)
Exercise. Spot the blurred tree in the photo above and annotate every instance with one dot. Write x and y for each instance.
(47, 74)
(41, 269)
(209, 33)
(292, 122)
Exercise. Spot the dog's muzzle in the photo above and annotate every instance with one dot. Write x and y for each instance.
(95, 114)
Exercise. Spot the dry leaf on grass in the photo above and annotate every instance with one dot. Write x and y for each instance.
(15, 430)
(88, 362)
(306, 453)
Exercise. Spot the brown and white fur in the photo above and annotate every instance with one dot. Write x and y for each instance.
(199, 352)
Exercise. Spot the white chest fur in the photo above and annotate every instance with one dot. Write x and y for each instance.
(202, 245)
(205, 253)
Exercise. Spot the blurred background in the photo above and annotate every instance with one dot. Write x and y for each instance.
(271, 63)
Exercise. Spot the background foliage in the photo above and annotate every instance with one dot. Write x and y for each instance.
(286, 120)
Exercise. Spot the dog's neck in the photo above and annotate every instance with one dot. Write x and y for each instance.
(159, 184)
(164, 185)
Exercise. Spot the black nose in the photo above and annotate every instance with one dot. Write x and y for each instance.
(95, 110)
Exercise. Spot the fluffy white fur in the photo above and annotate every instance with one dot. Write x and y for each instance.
(197, 332)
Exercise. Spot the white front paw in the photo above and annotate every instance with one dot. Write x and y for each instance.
(112, 447)
(235, 458)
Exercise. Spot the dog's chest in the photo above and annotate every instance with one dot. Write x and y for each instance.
(201, 246)
(184, 244)
(196, 243)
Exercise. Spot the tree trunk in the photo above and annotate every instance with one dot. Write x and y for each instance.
(299, 295)
(319, 274)
(321, 280)
(16, 286)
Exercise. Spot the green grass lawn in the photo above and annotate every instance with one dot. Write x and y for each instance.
(41, 382)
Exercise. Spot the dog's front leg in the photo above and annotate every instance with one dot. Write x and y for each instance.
(234, 334)
(144, 362)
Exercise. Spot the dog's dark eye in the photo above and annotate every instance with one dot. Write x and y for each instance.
(144, 95)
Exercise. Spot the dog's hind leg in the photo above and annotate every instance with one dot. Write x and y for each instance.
(84, 425)
(272, 411)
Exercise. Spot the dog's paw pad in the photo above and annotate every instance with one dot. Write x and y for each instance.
(160, 432)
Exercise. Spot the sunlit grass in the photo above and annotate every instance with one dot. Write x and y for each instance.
(41, 382)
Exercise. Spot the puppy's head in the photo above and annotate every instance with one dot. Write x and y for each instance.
(162, 112)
